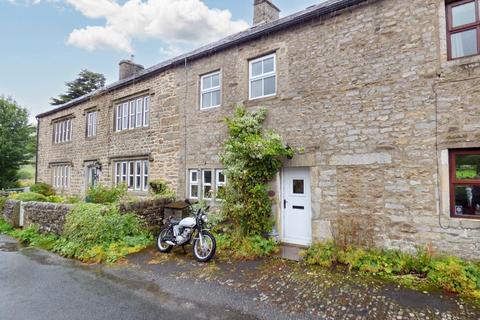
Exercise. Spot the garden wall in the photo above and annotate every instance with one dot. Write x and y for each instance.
(50, 217)
(150, 211)
(11, 212)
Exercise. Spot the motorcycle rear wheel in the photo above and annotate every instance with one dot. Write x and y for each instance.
(205, 253)
(162, 246)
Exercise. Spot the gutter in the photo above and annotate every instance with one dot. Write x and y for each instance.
(36, 151)
(194, 55)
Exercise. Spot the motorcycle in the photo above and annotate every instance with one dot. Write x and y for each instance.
(181, 233)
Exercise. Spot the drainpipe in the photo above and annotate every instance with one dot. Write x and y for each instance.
(36, 152)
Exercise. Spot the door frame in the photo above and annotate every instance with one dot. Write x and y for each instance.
(283, 211)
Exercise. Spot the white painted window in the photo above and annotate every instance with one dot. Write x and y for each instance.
(207, 184)
(210, 90)
(146, 111)
(263, 77)
(62, 131)
(194, 184)
(139, 112)
(133, 173)
(92, 124)
(132, 114)
(220, 182)
(61, 176)
(119, 118)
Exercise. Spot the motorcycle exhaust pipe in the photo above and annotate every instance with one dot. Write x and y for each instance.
(170, 243)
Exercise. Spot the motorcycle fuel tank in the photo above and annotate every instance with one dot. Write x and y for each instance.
(188, 222)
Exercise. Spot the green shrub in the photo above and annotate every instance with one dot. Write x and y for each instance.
(2, 203)
(72, 199)
(95, 233)
(103, 195)
(55, 199)
(246, 248)
(160, 188)
(5, 227)
(28, 196)
(449, 273)
(43, 188)
(32, 237)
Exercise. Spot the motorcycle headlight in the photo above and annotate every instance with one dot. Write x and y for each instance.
(204, 218)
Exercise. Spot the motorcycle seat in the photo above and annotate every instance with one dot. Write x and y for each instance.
(173, 221)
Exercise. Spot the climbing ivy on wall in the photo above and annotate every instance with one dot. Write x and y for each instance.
(251, 157)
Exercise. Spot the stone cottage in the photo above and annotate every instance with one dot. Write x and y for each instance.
(382, 96)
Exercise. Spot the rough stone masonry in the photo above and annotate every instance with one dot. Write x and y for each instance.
(367, 92)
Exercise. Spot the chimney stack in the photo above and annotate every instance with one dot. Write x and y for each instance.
(128, 68)
(264, 11)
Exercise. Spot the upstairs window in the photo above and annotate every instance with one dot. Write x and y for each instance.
(263, 78)
(463, 24)
(465, 183)
(132, 114)
(210, 91)
(92, 124)
(62, 131)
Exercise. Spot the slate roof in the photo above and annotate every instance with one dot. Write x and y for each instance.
(316, 11)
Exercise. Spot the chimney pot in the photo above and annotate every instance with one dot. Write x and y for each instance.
(128, 68)
(264, 11)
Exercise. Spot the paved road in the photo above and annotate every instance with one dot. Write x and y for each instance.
(37, 285)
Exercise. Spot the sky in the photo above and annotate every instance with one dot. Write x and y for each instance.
(45, 43)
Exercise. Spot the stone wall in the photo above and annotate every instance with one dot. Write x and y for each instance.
(49, 217)
(11, 212)
(150, 211)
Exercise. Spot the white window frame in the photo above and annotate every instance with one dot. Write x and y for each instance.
(138, 175)
(127, 170)
(62, 131)
(139, 112)
(92, 124)
(211, 90)
(146, 111)
(219, 183)
(262, 76)
(125, 116)
(118, 173)
(193, 183)
(205, 184)
(61, 176)
(132, 113)
(145, 174)
(131, 175)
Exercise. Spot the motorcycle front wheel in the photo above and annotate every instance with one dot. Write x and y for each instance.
(204, 250)
(162, 246)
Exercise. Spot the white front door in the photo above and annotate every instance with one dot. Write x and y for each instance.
(296, 204)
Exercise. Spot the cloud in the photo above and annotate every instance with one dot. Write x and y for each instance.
(175, 22)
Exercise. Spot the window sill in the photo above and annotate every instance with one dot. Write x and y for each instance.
(211, 108)
(466, 218)
(471, 61)
(255, 101)
(63, 143)
(138, 129)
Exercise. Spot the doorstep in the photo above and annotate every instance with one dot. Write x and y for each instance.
(290, 251)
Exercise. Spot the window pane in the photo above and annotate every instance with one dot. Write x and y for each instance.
(464, 43)
(194, 176)
(207, 176)
(207, 192)
(257, 68)
(467, 200)
(216, 98)
(298, 187)
(216, 80)
(269, 86)
(257, 88)
(206, 100)
(221, 177)
(206, 82)
(467, 166)
(139, 111)
(268, 65)
(145, 175)
(463, 14)
(194, 191)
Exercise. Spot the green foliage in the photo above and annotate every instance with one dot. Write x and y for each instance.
(2, 203)
(96, 233)
(17, 141)
(251, 158)
(103, 195)
(5, 227)
(160, 188)
(28, 196)
(246, 248)
(43, 188)
(86, 82)
(32, 237)
(26, 172)
(449, 273)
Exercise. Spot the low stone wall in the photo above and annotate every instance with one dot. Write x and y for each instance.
(50, 217)
(11, 212)
(150, 211)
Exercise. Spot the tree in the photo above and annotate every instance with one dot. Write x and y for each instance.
(17, 141)
(86, 82)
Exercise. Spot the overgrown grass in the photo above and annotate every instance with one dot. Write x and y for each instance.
(451, 274)
(245, 248)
